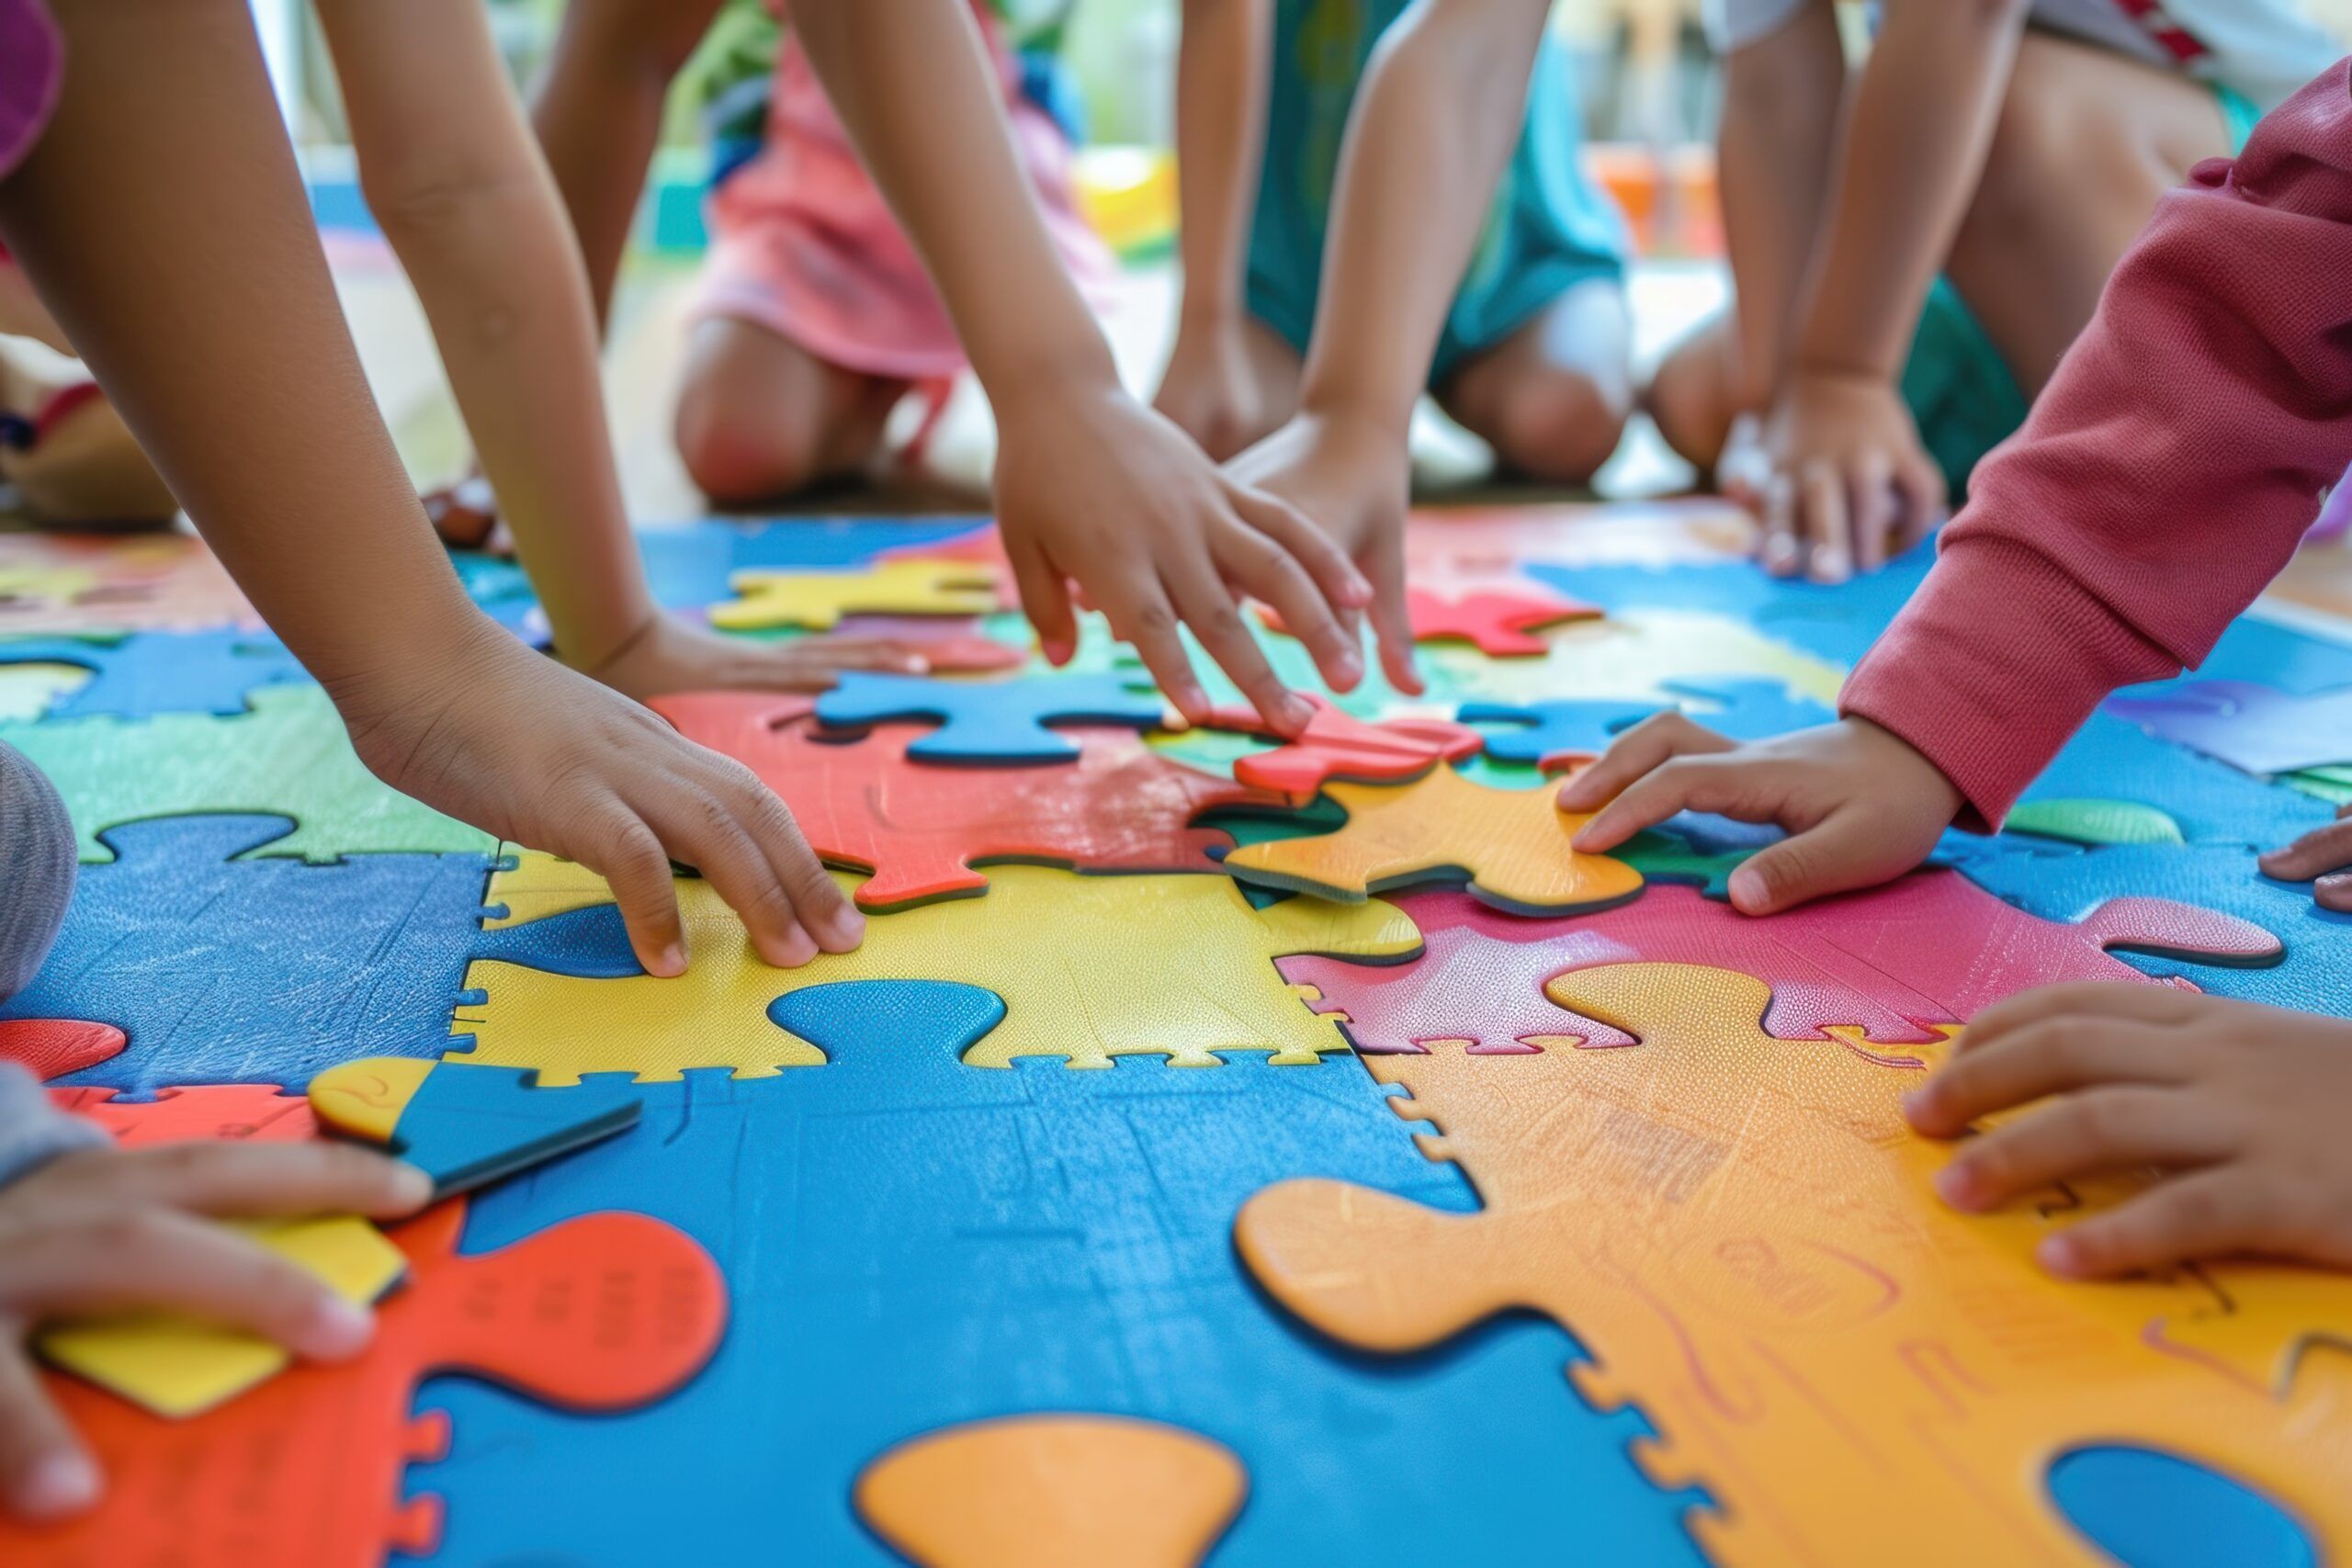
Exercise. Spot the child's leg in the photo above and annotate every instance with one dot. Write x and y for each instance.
(2087, 140)
(760, 416)
(1551, 397)
(84, 469)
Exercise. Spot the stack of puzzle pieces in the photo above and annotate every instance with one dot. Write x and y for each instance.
(1222, 1148)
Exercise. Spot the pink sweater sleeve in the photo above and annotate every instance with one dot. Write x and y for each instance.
(2161, 481)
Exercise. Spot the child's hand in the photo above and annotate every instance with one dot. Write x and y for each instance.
(672, 655)
(1352, 480)
(108, 1230)
(2240, 1107)
(1211, 392)
(1093, 486)
(1861, 806)
(516, 744)
(1849, 483)
(2324, 853)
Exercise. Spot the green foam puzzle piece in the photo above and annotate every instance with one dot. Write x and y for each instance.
(289, 756)
(2094, 822)
(2332, 782)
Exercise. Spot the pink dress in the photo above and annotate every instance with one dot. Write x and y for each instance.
(32, 62)
(803, 244)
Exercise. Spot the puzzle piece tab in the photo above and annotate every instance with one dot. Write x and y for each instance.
(53, 1048)
(1083, 964)
(1053, 1492)
(1742, 1232)
(816, 600)
(1511, 846)
(465, 1126)
(2256, 728)
(1336, 744)
(988, 722)
(921, 829)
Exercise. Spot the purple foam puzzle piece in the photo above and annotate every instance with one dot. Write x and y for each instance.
(2256, 728)
(1930, 949)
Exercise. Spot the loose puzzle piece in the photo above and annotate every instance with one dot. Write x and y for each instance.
(1053, 1492)
(2258, 729)
(2092, 822)
(223, 969)
(603, 1313)
(139, 674)
(53, 1048)
(921, 829)
(989, 721)
(178, 1367)
(288, 756)
(1338, 745)
(1901, 962)
(1498, 623)
(1511, 846)
(816, 600)
(1742, 1232)
(465, 1126)
(1081, 963)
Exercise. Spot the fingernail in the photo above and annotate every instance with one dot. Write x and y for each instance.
(918, 665)
(338, 1330)
(847, 928)
(1057, 651)
(1828, 567)
(795, 947)
(674, 960)
(1295, 713)
(1746, 889)
(410, 1187)
(1956, 1185)
(1349, 667)
(1191, 701)
(56, 1485)
(2059, 1254)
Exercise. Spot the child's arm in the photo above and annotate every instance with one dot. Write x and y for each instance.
(598, 114)
(1434, 121)
(88, 1229)
(1222, 63)
(1089, 484)
(1849, 473)
(450, 170)
(161, 218)
(2159, 485)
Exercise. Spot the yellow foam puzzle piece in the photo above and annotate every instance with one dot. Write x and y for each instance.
(1088, 967)
(539, 886)
(365, 1099)
(178, 1367)
(1632, 656)
(816, 600)
(1052, 1490)
(1742, 1233)
(1513, 842)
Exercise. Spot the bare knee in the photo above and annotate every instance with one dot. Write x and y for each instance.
(1559, 428)
(736, 450)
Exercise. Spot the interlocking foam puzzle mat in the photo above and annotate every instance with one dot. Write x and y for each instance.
(1222, 1149)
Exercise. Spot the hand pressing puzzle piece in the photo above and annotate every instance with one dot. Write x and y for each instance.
(1498, 623)
(2260, 729)
(1741, 1233)
(465, 1126)
(1510, 845)
(817, 601)
(606, 1312)
(988, 722)
(920, 829)
(1053, 1492)
(1089, 967)
(1900, 962)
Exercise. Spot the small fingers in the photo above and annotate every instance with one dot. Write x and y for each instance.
(1655, 740)
(45, 1474)
(1392, 622)
(2208, 1214)
(1829, 524)
(254, 1179)
(1845, 851)
(1345, 586)
(1208, 608)
(2091, 1133)
(1263, 567)
(1920, 485)
(816, 900)
(1146, 624)
(2053, 1056)
(2109, 1000)
(1874, 510)
(2317, 852)
(1780, 549)
(1045, 595)
(703, 820)
(2333, 892)
(629, 855)
(1685, 784)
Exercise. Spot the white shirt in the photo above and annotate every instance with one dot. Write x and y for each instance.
(2265, 49)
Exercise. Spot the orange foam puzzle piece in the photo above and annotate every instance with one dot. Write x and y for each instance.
(604, 1312)
(260, 1111)
(53, 1048)
(1052, 1490)
(1512, 845)
(1741, 1232)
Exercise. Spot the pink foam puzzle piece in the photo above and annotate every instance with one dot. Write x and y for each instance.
(1338, 745)
(2256, 728)
(1499, 622)
(1930, 948)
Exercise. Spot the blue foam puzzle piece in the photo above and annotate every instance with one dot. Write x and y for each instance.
(1742, 708)
(139, 674)
(2110, 759)
(688, 566)
(2147, 1509)
(469, 1124)
(989, 721)
(266, 971)
(911, 1244)
(1837, 623)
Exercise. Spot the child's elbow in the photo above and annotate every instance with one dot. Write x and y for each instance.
(426, 200)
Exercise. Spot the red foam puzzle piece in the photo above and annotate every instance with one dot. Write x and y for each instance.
(1338, 745)
(920, 829)
(601, 1313)
(1499, 622)
(258, 1112)
(53, 1048)
(1931, 948)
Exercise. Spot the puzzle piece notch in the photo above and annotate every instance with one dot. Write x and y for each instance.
(602, 1313)
(1053, 1491)
(53, 1048)
(985, 723)
(1509, 846)
(141, 674)
(1080, 963)
(817, 601)
(1499, 622)
(462, 1125)
(921, 832)
(1743, 1233)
